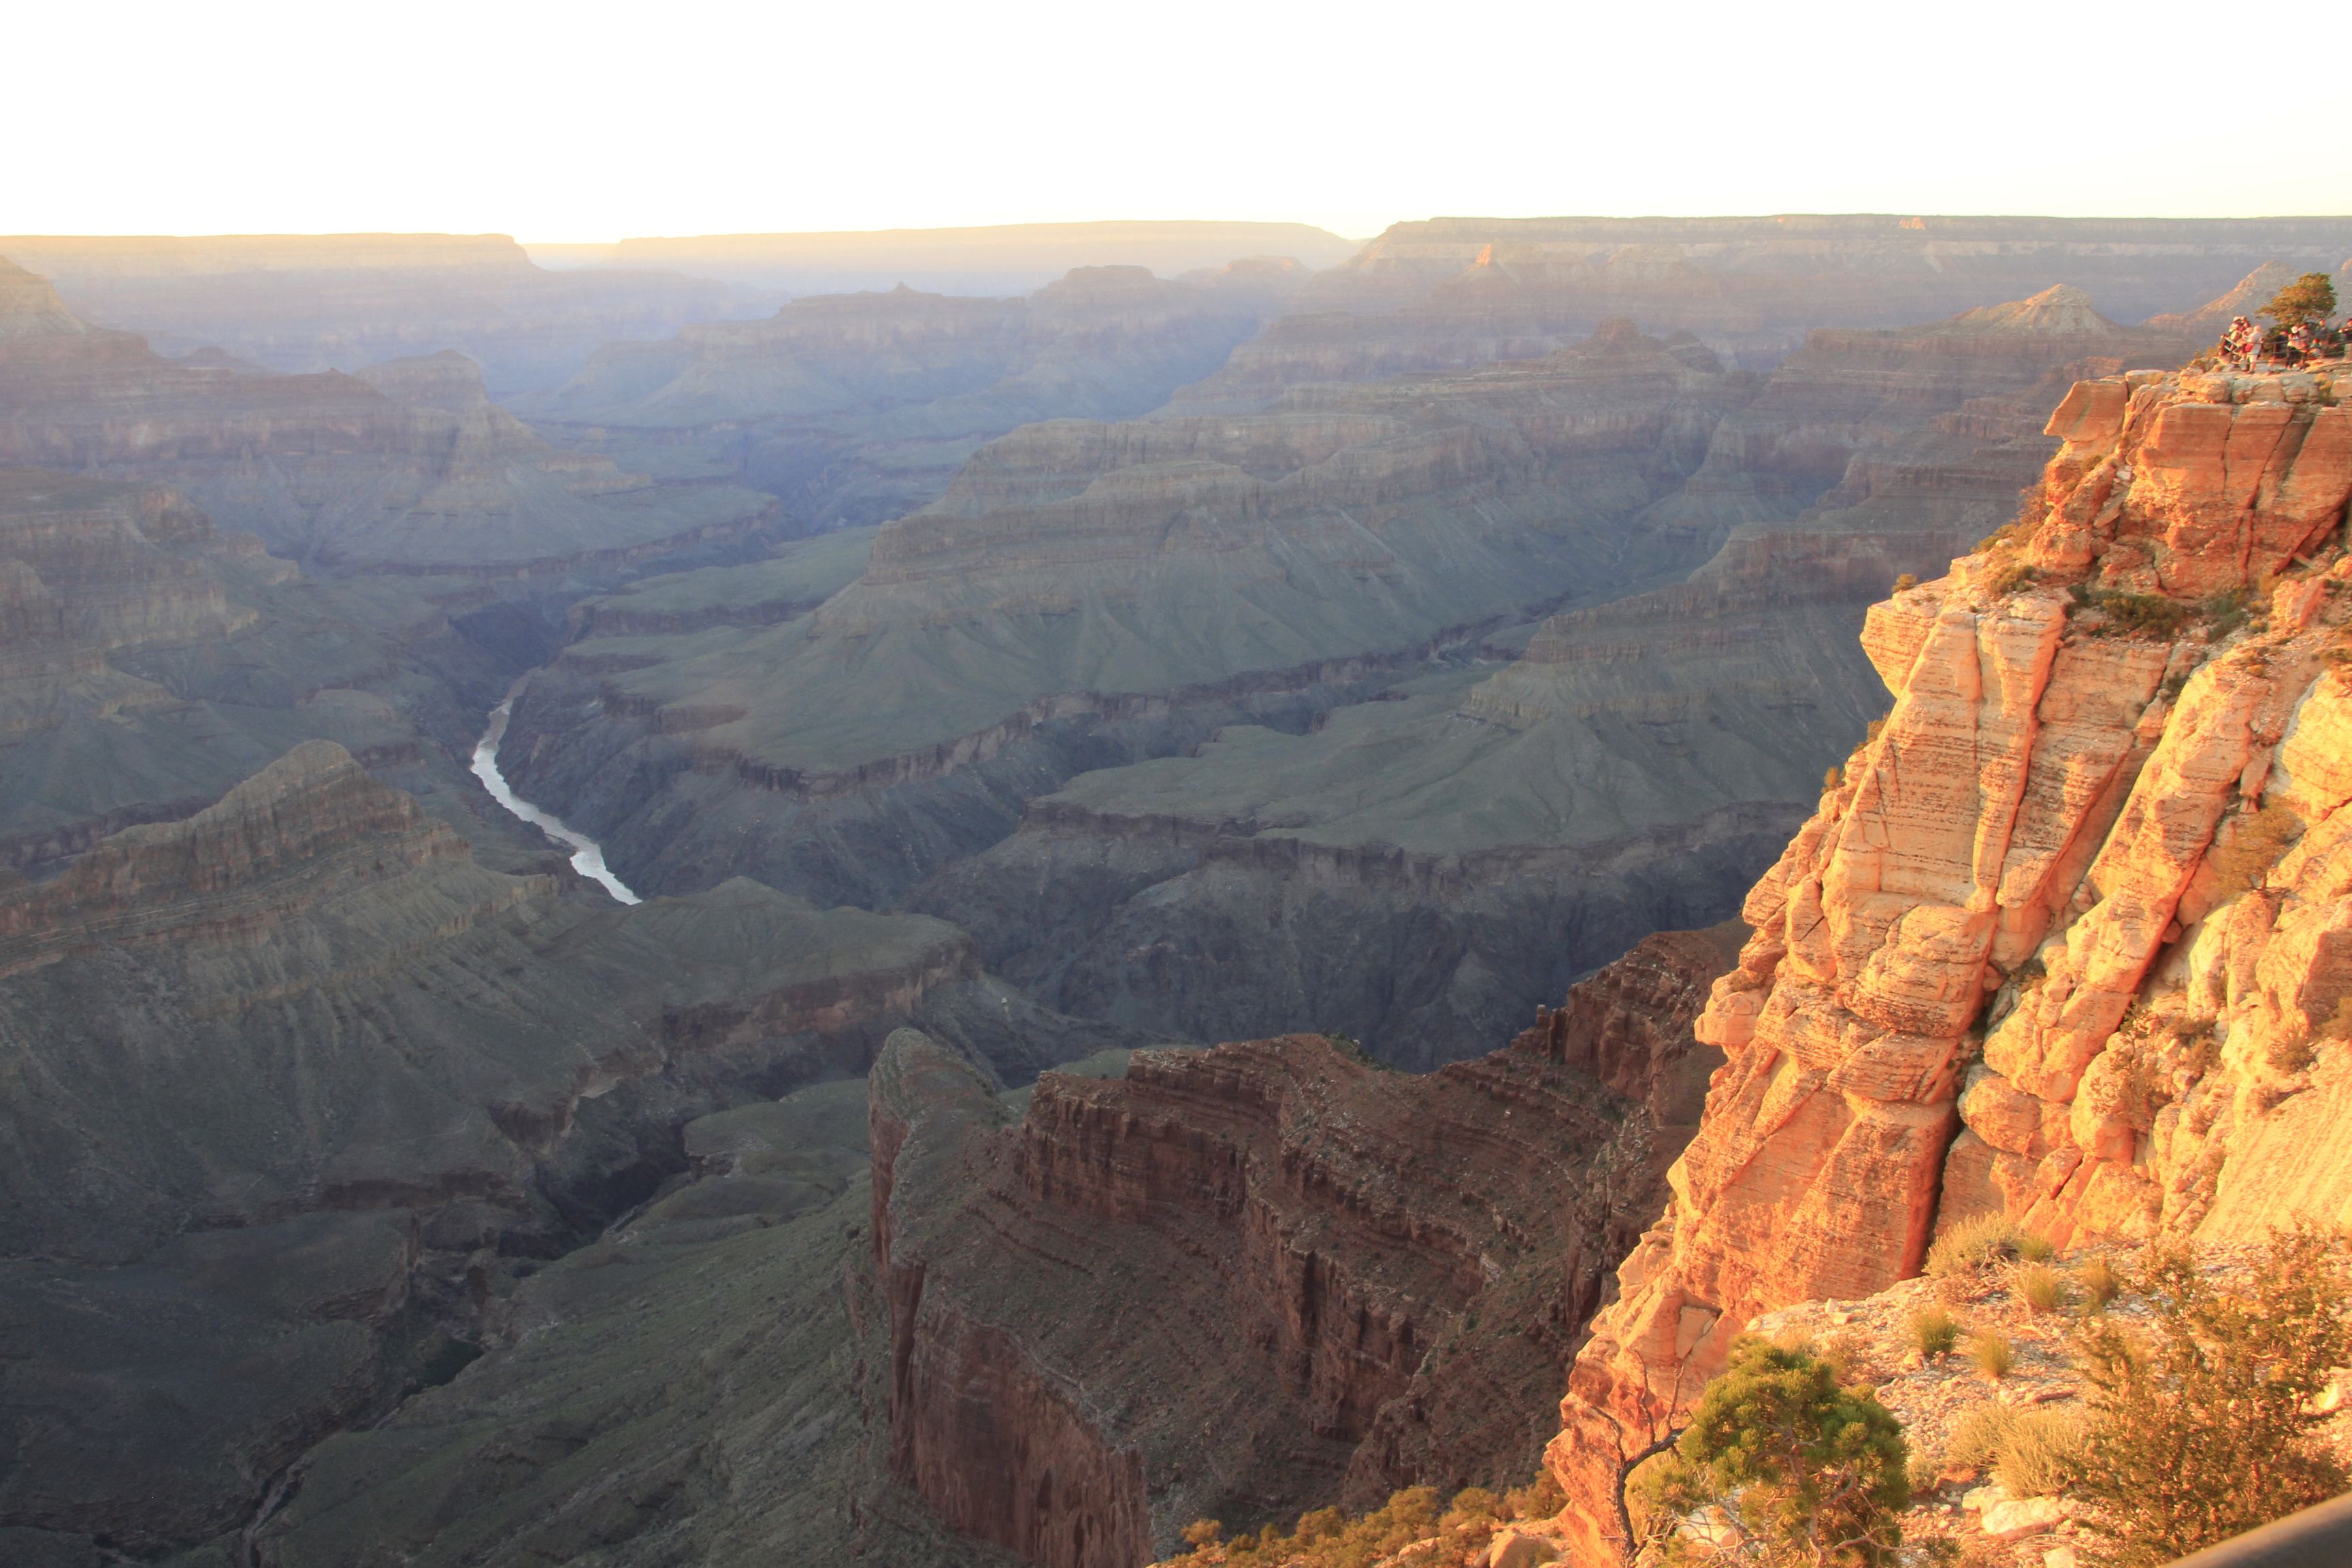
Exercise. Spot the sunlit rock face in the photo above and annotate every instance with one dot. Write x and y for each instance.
(2057, 943)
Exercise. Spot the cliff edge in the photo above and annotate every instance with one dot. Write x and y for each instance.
(2068, 938)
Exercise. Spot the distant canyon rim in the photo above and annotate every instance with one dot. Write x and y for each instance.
(1244, 677)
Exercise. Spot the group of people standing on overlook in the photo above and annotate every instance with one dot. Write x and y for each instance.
(2299, 332)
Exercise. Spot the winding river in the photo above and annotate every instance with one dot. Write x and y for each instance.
(587, 856)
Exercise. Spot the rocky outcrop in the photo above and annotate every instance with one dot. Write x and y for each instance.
(856, 408)
(408, 468)
(1278, 1274)
(2054, 943)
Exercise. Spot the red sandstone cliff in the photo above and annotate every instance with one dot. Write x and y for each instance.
(2070, 937)
(1245, 1280)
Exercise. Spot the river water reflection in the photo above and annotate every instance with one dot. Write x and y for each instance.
(587, 856)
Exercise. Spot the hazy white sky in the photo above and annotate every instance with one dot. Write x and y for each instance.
(586, 120)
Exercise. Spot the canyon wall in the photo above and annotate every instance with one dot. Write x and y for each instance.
(293, 1081)
(2057, 943)
(1421, 869)
(1241, 1281)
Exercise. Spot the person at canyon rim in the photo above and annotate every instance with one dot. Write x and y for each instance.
(2240, 343)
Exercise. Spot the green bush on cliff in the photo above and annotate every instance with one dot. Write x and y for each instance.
(1326, 1538)
(2309, 300)
(2203, 1424)
(1780, 1466)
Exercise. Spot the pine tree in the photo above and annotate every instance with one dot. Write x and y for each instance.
(2309, 300)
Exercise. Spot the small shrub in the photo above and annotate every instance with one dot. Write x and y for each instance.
(1203, 1533)
(1979, 1243)
(2034, 1248)
(2203, 1424)
(1993, 1354)
(1979, 1436)
(2100, 1282)
(2288, 1055)
(2040, 1452)
(1811, 1471)
(1935, 1331)
(2227, 610)
(2142, 615)
(1540, 1499)
(2255, 842)
(1907, 582)
(2010, 578)
(2043, 1291)
(1318, 1524)
(1834, 779)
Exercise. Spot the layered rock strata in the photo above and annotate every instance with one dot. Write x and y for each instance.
(999, 259)
(708, 1383)
(856, 408)
(148, 663)
(1239, 1281)
(304, 303)
(1444, 294)
(289, 1075)
(408, 467)
(1081, 576)
(2056, 942)
(1420, 870)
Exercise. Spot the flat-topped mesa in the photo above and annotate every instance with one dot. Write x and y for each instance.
(2069, 937)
